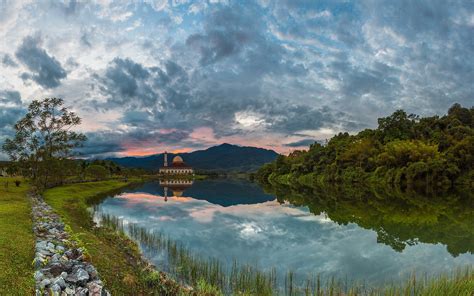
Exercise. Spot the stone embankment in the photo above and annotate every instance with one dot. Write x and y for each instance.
(60, 265)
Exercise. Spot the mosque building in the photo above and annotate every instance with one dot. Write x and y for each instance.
(177, 167)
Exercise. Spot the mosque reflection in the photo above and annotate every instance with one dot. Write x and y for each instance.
(175, 187)
(223, 192)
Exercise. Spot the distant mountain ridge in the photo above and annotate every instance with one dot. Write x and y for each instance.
(224, 157)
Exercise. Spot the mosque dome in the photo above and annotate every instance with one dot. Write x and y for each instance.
(177, 160)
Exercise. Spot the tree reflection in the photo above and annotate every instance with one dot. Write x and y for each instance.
(399, 218)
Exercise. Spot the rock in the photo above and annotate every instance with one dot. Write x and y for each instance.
(70, 291)
(82, 275)
(38, 276)
(81, 291)
(55, 290)
(95, 289)
(55, 258)
(41, 245)
(92, 271)
(61, 249)
(45, 252)
(44, 283)
(56, 268)
(60, 282)
(64, 275)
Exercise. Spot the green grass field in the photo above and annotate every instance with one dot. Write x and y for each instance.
(16, 239)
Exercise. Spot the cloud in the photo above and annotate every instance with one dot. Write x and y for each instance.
(226, 34)
(11, 108)
(46, 70)
(301, 143)
(8, 61)
(269, 70)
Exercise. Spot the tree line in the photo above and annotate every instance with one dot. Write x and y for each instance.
(405, 150)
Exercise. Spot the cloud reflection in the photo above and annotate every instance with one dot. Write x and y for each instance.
(270, 235)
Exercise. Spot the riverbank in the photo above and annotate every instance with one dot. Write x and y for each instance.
(61, 263)
(117, 258)
(16, 239)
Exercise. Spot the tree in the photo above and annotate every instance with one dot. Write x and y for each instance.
(44, 140)
(398, 126)
(460, 113)
(96, 172)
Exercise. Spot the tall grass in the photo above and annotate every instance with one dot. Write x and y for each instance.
(245, 279)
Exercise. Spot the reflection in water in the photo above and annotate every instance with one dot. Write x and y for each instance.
(224, 192)
(358, 234)
(177, 186)
(400, 219)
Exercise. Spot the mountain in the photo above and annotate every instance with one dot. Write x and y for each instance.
(225, 157)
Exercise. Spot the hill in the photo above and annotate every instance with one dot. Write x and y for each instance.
(404, 151)
(225, 157)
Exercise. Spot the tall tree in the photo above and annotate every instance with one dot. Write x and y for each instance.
(44, 140)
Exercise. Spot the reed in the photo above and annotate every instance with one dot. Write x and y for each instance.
(211, 274)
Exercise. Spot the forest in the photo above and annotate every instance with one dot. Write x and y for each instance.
(404, 151)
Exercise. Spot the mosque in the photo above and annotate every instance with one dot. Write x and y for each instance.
(177, 167)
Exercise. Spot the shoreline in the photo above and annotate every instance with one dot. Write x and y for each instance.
(148, 278)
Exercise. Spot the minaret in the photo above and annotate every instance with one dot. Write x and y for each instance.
(166, 159)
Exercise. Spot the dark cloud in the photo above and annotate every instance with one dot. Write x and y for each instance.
(130, 84)
(238, 36)
(102, 143)
(46, 70)
(226, 33)
(106, 143)
(301, 143)
(11, 108)
(8, 61)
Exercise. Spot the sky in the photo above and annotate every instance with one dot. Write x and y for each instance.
(178, 75)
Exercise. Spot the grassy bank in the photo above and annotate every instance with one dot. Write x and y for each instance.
(115, 257)
(16, 239)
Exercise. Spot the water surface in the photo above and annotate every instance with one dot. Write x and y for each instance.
(350, 235)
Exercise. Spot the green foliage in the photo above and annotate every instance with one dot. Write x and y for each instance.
(97, 172)
(404, 150)
(44, 141)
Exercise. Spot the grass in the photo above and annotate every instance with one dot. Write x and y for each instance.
(209, 274)
(113, 256)
(16, 239)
